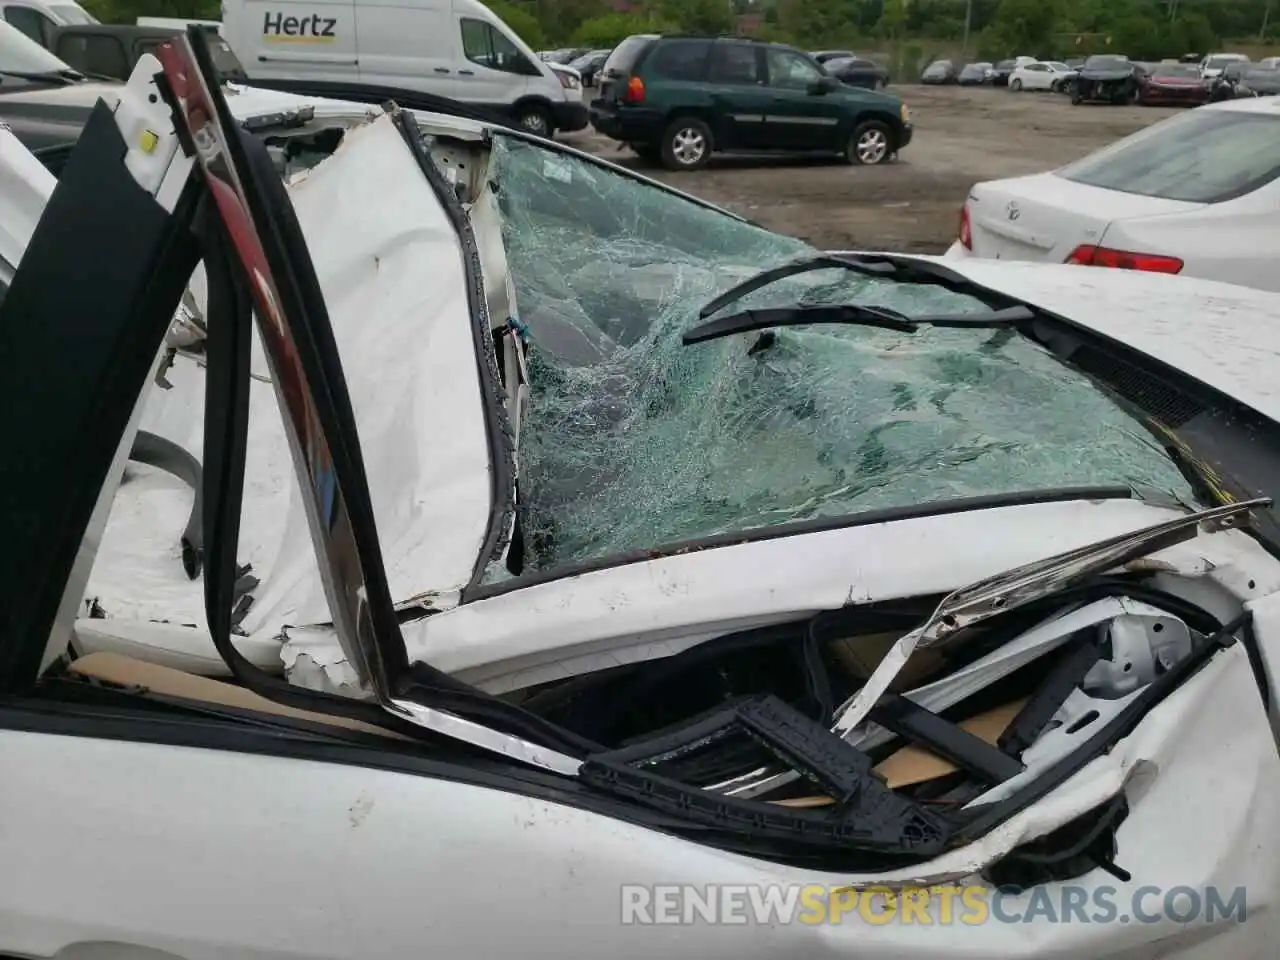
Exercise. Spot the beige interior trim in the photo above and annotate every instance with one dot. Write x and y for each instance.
(127, 672)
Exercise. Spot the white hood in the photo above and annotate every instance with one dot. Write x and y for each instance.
(1172, 319)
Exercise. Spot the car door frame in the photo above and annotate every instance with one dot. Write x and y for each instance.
(800, 120)
(741, 108)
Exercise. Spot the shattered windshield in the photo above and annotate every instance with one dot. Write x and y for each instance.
(632, 440)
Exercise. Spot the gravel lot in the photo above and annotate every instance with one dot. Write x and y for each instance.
(962, 136)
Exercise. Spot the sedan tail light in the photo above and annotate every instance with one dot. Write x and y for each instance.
(966, 232)
(1088, 255)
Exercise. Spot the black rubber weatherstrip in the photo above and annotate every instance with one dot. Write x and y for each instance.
(915, 511)
(502, 500)
(164, 454)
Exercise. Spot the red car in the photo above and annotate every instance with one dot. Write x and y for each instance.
(1172, 83)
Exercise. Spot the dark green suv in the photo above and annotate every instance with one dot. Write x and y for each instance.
(679, 99)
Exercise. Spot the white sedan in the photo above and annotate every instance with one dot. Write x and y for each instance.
(586, 571)
(1040, 75)
(1196, 194)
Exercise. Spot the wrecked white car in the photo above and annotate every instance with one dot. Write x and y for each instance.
(517, 535)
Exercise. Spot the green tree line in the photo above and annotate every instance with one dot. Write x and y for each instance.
(990, 29)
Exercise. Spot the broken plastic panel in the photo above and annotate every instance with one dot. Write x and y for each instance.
(866, 813)
(631, 440)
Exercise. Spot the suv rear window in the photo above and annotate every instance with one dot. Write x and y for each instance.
(625, 54)
(1204, 156)
(679, 60)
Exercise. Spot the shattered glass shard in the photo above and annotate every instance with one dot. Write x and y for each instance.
(632, 441)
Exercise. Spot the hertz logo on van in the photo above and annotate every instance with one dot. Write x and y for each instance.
(277, 28)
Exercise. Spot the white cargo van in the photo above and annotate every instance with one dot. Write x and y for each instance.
(449, 48)
(37, 18)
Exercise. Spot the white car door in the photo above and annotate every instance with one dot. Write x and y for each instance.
(124, 848)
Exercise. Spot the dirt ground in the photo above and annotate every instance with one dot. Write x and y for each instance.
(962, 136)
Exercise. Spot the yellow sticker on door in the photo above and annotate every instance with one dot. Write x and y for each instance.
(279, 28)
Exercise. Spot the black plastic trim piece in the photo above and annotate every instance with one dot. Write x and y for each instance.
(163, 454)
(79, 354)
(951, 742)
(1064, 676)
(502, 502)
(867, 518)
(866, 814)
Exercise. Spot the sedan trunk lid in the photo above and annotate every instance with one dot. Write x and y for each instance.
(1045, 217)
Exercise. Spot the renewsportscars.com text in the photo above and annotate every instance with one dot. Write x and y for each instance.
(937, 905)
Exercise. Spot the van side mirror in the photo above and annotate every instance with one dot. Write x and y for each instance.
(824, 85)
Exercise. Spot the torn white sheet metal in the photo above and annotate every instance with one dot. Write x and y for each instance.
(1004, 592)
(1174, 740)
(390, 266)
(968, 680)
(1008, 591)
(661, 606)
(657, 608)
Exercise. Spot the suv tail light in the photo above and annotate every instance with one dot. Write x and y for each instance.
(966, 232)
(1088, 255)
(635, 91)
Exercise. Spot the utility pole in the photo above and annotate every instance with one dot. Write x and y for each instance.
(1266, 17)
(968, 21)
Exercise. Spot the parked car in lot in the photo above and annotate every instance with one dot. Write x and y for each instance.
(1001, 72)
(37, 19)
(976, 74)
(589, 64)
(1193, 194)
(1228, 83)
(822, 56)
(1109, 78)
(680, 99)
(858, 72)
(682, 659)
(1259, 81)
(1052, 75)
(1173, 83)
(1004, 69)
(1213, 65)
(940, 71)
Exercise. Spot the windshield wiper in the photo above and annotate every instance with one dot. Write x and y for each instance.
(888, 266)
(1001, 593)
(858, 315)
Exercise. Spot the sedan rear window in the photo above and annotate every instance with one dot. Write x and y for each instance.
(1205, 156)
